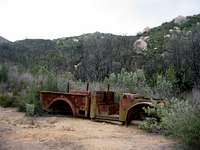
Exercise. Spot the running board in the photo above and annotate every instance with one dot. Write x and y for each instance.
(108, 121)
(112, 118)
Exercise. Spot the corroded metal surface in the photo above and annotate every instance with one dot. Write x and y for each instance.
(78, 101)
(130, 101)
(99, 104)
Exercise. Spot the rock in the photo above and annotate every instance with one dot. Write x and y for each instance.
(75, 40)
(180, 19)
(171, 31)
(140, 44)
(167, 36)
(146, 30)
(176, 28)
(146, 38)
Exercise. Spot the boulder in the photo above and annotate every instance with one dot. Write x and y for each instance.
(140, 44)
(146, 30)
(180, 19)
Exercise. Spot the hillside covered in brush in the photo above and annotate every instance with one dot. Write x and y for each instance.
(172, 47)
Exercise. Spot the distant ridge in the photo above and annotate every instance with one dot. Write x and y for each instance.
(3, 40)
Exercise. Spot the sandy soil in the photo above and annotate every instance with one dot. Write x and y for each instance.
(18, 132)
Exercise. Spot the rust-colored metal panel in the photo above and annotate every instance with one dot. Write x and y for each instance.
(78, 101)
(105, 103)
(105, 97)
(128, 101)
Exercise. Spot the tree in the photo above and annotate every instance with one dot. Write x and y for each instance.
(3, 73)
(183, 52)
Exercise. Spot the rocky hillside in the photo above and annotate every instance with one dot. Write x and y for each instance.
(94, 56)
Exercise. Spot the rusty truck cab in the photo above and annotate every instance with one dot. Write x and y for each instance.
(97, 105)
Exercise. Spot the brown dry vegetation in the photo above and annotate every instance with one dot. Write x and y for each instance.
(18, 132)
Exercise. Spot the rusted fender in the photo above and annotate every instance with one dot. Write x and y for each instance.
(66, 101)
(129, 101)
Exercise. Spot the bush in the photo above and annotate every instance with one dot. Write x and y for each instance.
(3, 73)
(129, 82)
(150, 125)
(50, 83)
(28, 97)
(21, 104)
(30, 109)
(63, 80)
(7, 101)
(153, 124)
(183, 121)
(180, 119)
(163, 88)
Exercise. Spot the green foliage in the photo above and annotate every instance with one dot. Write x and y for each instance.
(129, 81)
(180, 119)
(171, 74)
(30, 109)
(21, 103)
(3, 73)
(7, 101)
(192, 20)
(50, 83)
(136, 82)
(150, 125)
(30, 96)
(156, 113)
(28, 92)
(163, 88)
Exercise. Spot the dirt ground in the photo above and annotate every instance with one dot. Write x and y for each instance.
(18, 132)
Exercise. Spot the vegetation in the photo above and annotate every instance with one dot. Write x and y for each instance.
(180, 119)
(7, 101)
(3, 73)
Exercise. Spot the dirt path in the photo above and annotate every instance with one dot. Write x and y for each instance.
(18, 132)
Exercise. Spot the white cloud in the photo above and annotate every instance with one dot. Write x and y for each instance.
(59, 18)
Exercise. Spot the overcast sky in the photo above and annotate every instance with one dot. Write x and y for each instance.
(50, 19)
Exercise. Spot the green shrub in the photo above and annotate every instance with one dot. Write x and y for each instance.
(183, 121)
(150, 125)
(163, 88)
(3, 73)
(21, 104)
(50, 83)
(153, 124)
(180, 119)
(129, 81)
(30, 109)
(7, 101)
(30, 96)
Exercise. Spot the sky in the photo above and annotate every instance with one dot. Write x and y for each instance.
(51, 19)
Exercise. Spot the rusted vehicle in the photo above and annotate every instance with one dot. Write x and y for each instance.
(98, 105)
